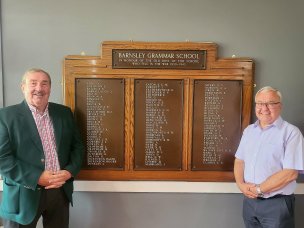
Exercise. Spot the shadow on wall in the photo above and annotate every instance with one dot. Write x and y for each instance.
(302, 129)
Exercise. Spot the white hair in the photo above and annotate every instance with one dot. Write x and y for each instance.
(35, 70)
(267, 89)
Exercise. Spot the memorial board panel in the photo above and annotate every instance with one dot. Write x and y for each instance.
(158, 124)
(99, 111)
(216, 124)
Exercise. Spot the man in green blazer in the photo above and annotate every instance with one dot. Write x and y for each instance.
(40, 154)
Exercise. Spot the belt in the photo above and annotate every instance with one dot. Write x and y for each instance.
(275, 197)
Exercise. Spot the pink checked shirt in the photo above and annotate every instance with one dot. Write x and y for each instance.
(46, 132)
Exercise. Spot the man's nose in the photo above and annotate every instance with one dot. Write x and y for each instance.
(38, 87)
(265, 107)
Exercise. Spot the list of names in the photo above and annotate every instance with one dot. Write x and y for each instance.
(214, 139)
(97, 131)
(157, 131)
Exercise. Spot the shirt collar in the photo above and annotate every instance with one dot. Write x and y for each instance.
(277, 123)
(35, 110)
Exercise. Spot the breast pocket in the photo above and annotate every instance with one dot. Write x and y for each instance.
(274, 152)
(10, 197)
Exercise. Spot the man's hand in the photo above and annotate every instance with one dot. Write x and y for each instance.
(45, 178)
(50, 179)
(239, 178)
(248, 189)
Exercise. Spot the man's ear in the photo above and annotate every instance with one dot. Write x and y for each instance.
(22, 87)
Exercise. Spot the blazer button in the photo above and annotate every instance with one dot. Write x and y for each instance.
(42, 160)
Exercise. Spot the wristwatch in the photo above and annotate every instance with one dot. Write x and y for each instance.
(259, 191)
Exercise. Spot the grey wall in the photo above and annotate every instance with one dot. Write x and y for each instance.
(161, 210)
(158, 210)
(39, 33)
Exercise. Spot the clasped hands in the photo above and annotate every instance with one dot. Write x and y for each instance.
(249, 190)
(50, 179)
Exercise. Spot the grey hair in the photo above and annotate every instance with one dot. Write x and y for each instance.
(35, 70)
(267, 89)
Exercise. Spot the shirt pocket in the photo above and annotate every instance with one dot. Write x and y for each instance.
(274, 153)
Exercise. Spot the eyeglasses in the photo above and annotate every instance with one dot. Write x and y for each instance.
(267, 105)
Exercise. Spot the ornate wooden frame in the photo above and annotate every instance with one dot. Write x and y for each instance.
(240, 69)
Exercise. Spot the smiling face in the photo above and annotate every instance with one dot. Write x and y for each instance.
(36, 88)
(268, 107)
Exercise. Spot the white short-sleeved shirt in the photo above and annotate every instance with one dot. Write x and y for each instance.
(267, 151)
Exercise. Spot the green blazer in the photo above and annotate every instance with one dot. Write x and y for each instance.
(22, 158)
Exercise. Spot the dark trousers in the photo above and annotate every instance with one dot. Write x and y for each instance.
(54, 209)
(276, 212)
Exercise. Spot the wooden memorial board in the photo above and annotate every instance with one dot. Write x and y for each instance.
(159, 111)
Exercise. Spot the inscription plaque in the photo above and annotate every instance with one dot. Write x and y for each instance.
(159, 59)
(216, 124)
(158, 124)
(99, 110)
